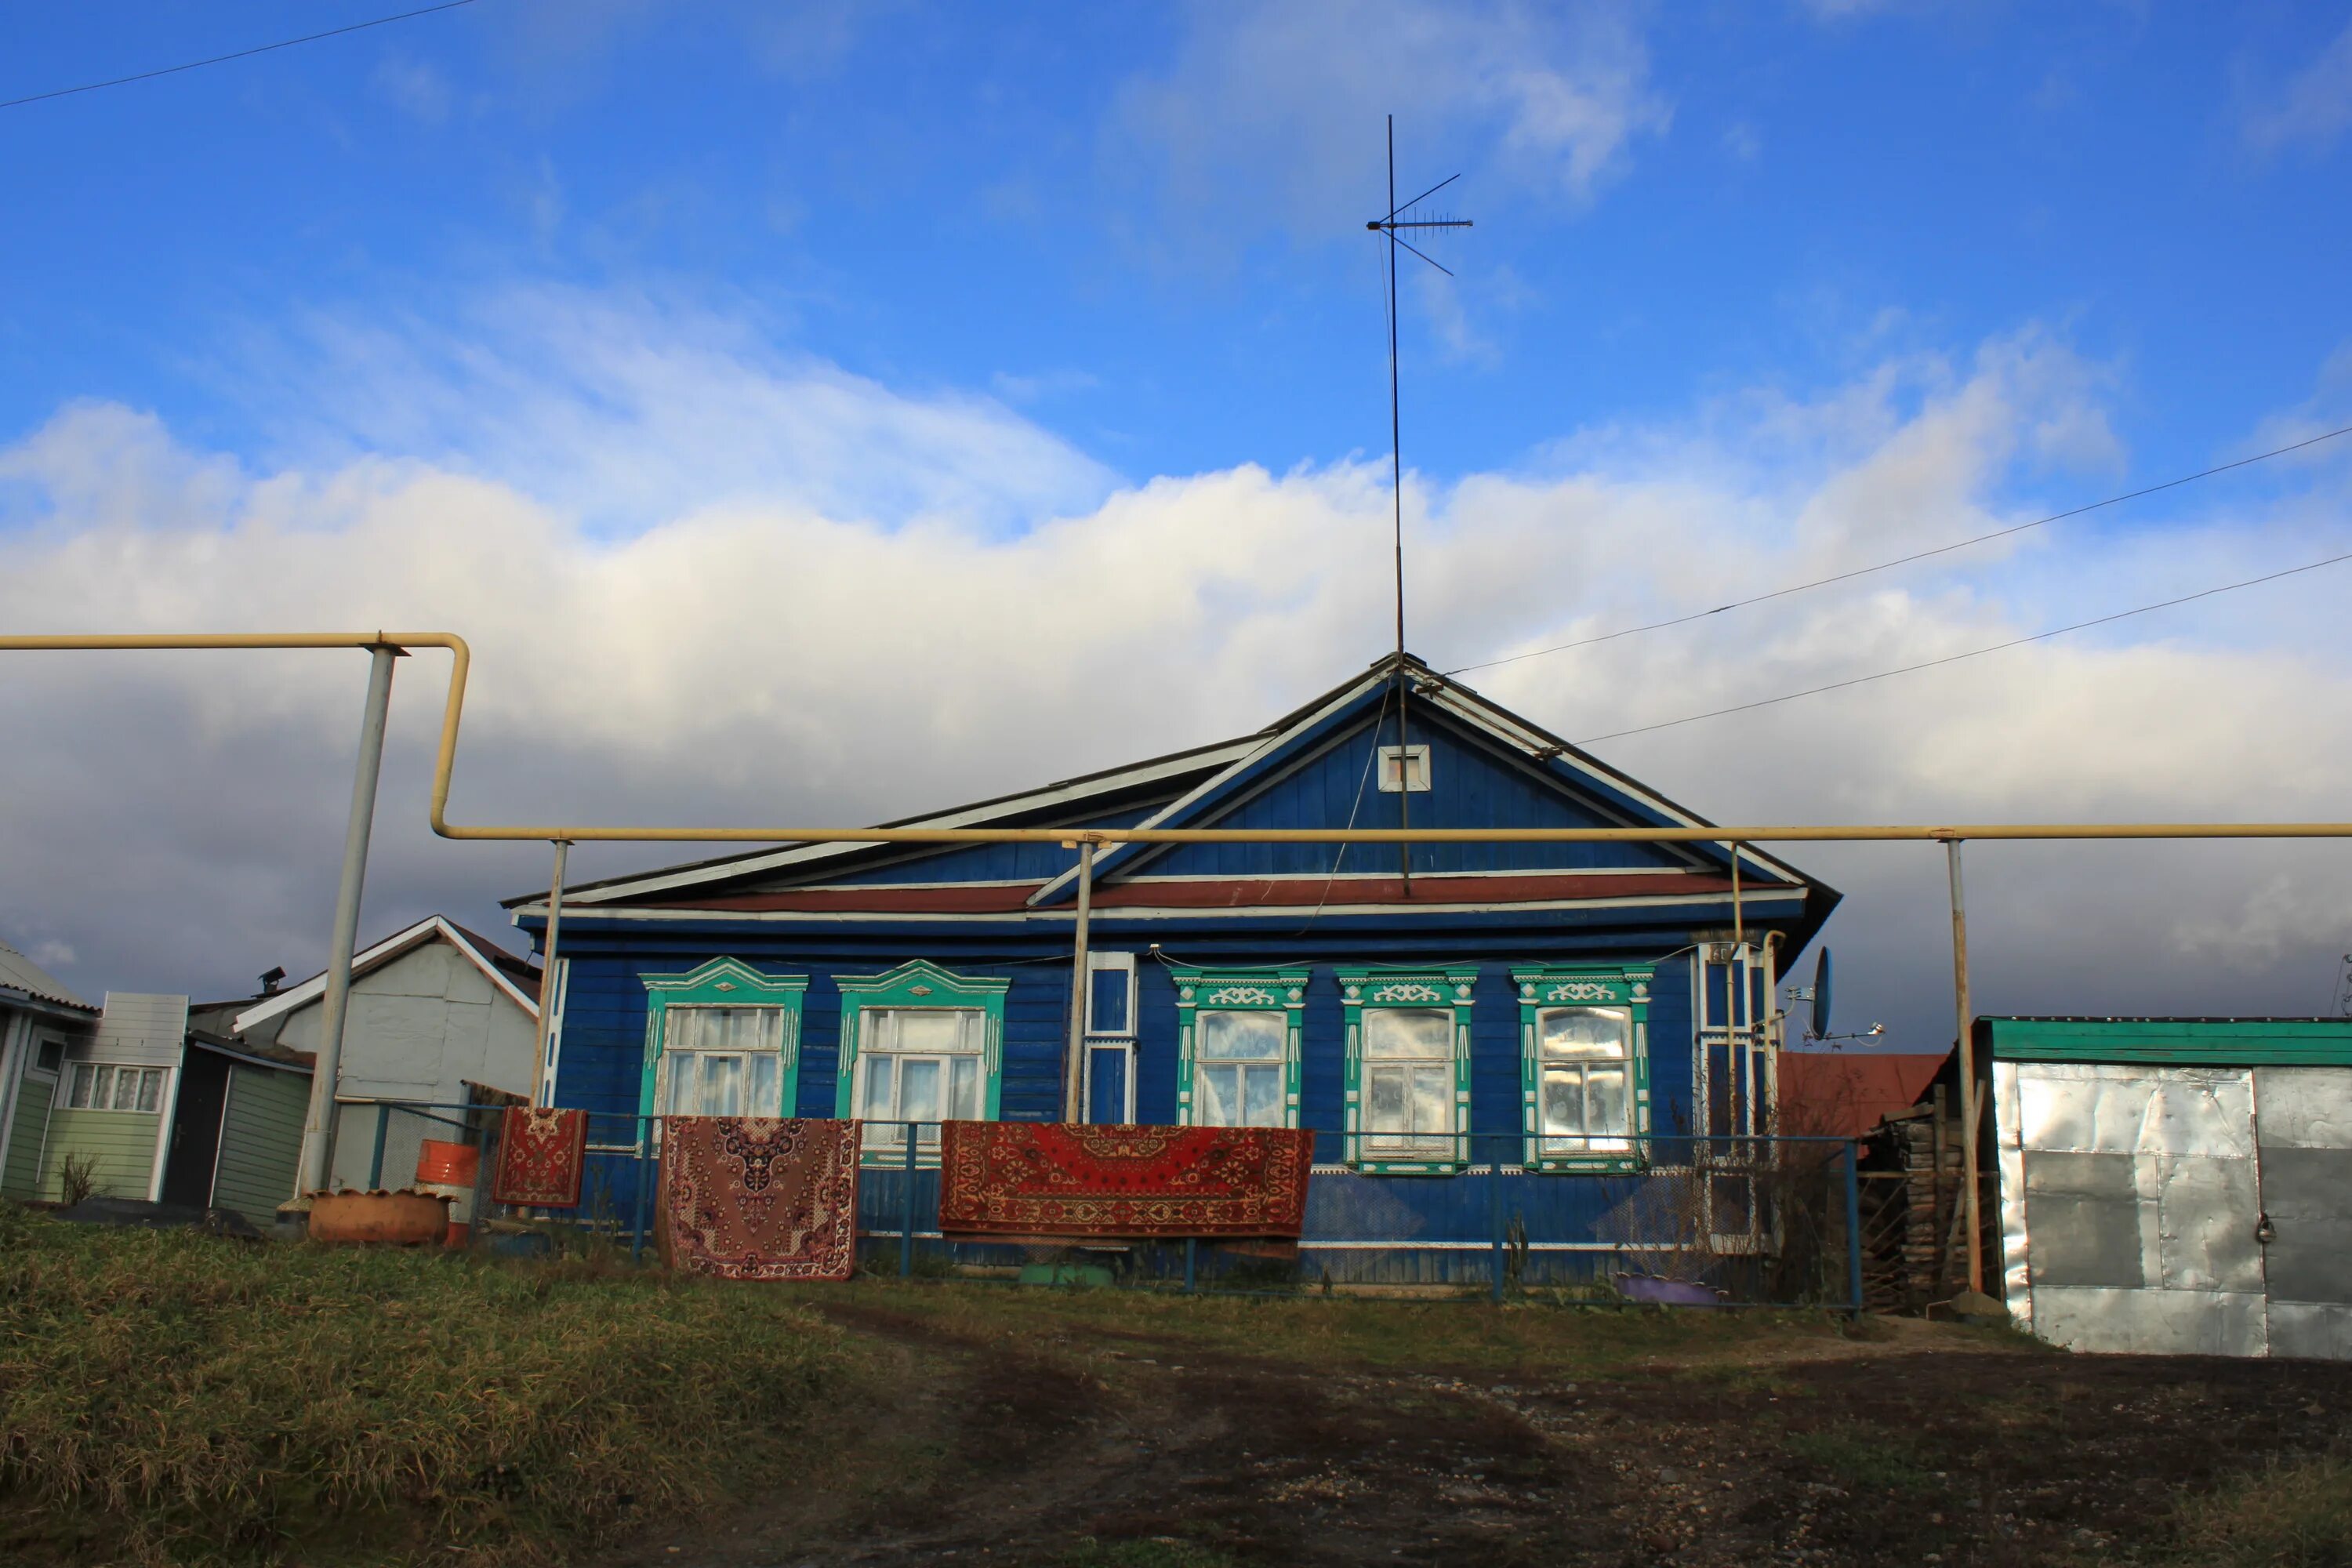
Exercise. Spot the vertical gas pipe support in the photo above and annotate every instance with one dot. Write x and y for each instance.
(907, 1210)
(1854, 1225)
(538, 1084)
(311, 1176)
(1970, 1130)
(1074, 1080)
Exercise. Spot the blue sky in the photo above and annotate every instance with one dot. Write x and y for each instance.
(677, 350)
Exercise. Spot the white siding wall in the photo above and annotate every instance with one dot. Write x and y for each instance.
(149, 1030)
(420, 1028)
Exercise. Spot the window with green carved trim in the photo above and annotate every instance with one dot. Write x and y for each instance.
(919, 1045)
(723, 1039)
(1585, 1067)
(1408, 1068)
(1237, 1047)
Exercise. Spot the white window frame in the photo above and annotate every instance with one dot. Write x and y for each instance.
(1366, 991)
(1410, 762)
(115, 1074)
(1100, 962)
(1282, 994)
(876, 1044)
(674, 1054)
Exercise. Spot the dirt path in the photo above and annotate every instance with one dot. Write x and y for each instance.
(1034, 1448)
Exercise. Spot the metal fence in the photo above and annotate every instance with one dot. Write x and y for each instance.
(1700, 1221)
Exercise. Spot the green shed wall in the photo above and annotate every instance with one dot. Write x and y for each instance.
(123, 1143)
(261, 1141)
(22, 1179)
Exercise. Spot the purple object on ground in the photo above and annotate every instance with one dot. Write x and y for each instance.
(1665, 1293)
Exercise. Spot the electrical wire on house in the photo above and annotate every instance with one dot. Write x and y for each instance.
(1972, 653)
(1901, 560)
(238, 55)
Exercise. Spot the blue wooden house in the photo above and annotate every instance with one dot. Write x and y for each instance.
(1561, 1011)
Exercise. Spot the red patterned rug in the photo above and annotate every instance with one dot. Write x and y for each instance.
(1051, 1180)
(753, 1197)
(540, 1153)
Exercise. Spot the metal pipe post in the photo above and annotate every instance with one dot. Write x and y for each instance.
(1854, 1225)
(637, 1220)
(547, 972)
(325, 1076)
(1968, 1195)
(1074, 1086)
(1191, 1264)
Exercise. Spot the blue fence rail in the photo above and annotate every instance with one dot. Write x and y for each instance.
(1739, 1221)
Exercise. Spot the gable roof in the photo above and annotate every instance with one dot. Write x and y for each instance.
(504, 970)
(1193, 788)
(29, 980)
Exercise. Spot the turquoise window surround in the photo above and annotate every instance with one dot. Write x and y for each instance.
(724, 982)
(918, 983)
(1548, 986)
(1370, 989)
(1282, 991)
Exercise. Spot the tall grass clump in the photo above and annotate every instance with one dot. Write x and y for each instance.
(172, 1397)
(2294, 1514)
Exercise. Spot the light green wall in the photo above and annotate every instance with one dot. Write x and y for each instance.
(123, 1143)
(261, 1140)
(22, 1178)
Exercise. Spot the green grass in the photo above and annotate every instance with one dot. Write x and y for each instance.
(1862, 1460)
(168, 1397)
(2291, 1515)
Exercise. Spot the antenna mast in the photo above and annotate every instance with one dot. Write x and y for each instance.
(1391, 228)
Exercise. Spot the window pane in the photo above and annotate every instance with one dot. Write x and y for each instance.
(151, 1090)
(1604, 1100)
(1407, 1032)
(1216, 1097)
(1584, 1033)
(80, 1098)
(51, 1056)
(963, 1098)
(722, 1085)
(102, 1095)
(1563, 1100)
(126, 1088)
(881, 1095)
(919, 1089)
(682, 1100)
(1225, 1035)
(1107, 1013)
(933, 1029)
(1384, 1100)
(1433, 1099)
(1262, 1092)
(765, 1096)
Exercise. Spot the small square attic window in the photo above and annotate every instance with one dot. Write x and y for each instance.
(1403, 768)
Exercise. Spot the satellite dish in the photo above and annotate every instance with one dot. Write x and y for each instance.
(1821, 1028)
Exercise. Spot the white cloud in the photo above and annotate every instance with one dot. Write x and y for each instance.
(1271, 114)
(415, 87)
(2314, 105)
(899, 601)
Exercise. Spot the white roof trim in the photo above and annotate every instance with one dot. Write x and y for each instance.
(967, 816)
(375, 957)
(1767, 894)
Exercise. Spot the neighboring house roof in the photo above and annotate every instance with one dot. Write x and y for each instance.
(22, 975)
(511, 974)
(1199, 787)
(281, 1058)
(2178, 1042)
(1845, 1094)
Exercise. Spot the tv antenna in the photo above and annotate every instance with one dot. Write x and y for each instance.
(1401, 220)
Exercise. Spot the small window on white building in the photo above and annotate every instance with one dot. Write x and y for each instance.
(104, 1086)
(1403, 769)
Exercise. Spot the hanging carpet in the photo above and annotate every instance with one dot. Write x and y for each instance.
(541, 1153)
(755, 1197)
(1040, 1181)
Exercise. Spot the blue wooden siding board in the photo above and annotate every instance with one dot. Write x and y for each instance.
(1472, 785)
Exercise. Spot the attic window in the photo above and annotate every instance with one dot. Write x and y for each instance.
(1408, 764)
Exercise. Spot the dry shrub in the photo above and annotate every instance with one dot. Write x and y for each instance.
(77, 1178)
(165, 1396)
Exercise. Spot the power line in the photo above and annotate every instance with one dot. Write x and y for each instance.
(1901, 560)
(241, 54)
(1972, 653)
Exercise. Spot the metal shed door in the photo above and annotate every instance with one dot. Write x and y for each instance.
(2303, 1133)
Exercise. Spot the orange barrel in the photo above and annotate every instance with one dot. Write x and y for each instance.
(451, 1170)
